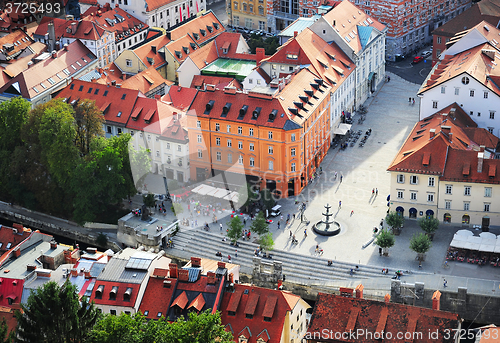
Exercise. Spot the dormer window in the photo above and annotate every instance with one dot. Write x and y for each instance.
(292, 56)
(196, 36)
(267, 319)
(178, 54)
(127, 294)
(231, 313)
(203, 32)
(210, 28)
(112, 293)
(186, 49)
(99, 291)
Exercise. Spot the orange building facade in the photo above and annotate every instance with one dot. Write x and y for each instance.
(273, 137)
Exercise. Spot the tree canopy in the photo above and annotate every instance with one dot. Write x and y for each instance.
(385, 239)
(420, 243)
(260, 225)
(266, 242)
(54, 314)
(270, 44)
(429, 224)
(235, 229)
(394, 220)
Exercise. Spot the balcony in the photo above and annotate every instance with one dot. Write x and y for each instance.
(283, 15)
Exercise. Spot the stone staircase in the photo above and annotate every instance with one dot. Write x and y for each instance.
(297, 267)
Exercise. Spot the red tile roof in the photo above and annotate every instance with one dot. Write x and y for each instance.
(9, 314)
(120, 299)
(116, 112)
(35, 79)
(10, 289)
(476, 62)
(261, 303)
(15, 19)
(462, 166)
(154, 4)
(220, 82)
(431, 137)
(8, 235)
(115, 20)
(151, 115)
(86, 30)
(157, 297)
(176, 131)
(205, 55)
(337, 314)
(19, 41)
(482, 137)
(180, 97)
(199, 28)
(181, 48)
(146, 54)
(60, 26)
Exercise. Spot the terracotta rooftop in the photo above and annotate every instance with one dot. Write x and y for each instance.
(478, 62)
(202, 29)
(60, 26)
(146, 53)
(157, 297)
(182, 47)
(106, 97)
(462, 166)
(343, 314)
(10, 237)
(15, 19)
(352, 24)
(151, 115)
(180, 97)
(14, 44)
(220, 82)
(86, 30)
(205, 55)
(115, 293)
(266, 307)
(154, 4)
(49, 71)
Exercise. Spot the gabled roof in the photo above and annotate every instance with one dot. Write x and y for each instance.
(462, 166)
(181, 48)
(175, 132)
(116, 103)
(125, 293)
(205, 55)
(343, 314)
(426, 149)
(180, 97)
(157, 297)
(478, 63)
(147, 55)
(14, 43)
(482, 136)
(10, 237)
(49, 71)
(483, 10)
(230, 42)
(10, 289)
(85, 30)
(151, 115)
(12, 20)
(220, 82)
(114, 20)
(154, 4)
(202, 29)
(60, 26)
(260, 303)
(348, 19)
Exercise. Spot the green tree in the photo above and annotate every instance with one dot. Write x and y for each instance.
(140, 164)
(267, 199)
(235, 229)
(54, 314)
(429, 224)
(101, 240)
(119, 329)
(260, 225)
(178, 209)
(149, 200)
(385, 240)
(266, 242)
(394, 220)
(270, 44)
(203, 327)
(5, 335)
(89, 124)
(420, 243)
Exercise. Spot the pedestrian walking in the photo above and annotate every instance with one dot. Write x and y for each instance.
(413, 101)
(340, 204)
(229, 258)
(335, 178)
(294, 216)
(244, 221)
(380, 251)
(445, 283)
(290, 233)
(376, 191)
(409, 100)
(341, 176)
(305, 232)
(352, 212)
(317, 248)
(351, 272)
(278, 225)
(373, 191)
(220, 226)
(236, 253)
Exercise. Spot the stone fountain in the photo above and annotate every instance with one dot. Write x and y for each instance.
(327, 226)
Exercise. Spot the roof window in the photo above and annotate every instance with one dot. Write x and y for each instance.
(203, 32)
(105, 93)
(99, 291)
(123, 96)
(90, 90)
(80, 89)
(112, 293)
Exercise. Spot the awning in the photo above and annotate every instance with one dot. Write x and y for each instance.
(400, 209)
(413, 210)
(342, 129)
(370, 76)
(429, 213)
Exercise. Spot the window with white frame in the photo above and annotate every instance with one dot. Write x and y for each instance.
(129, 63)
(292, 167)
(240, 130)
(270, 135)
(466, 190)
(487, 192)
(270, 150)
(250, 132)
(401, 178)
(457, 91)
(228, 127)
(292, 152)
(485, 95)
(198, 138)
(466, 205)
(400, 194)
(229, 143)
(200, 153)
(447, 204)
(198, 124)
(251, 147)
(492, 114)
(486, 207)
(179, 148)
(240, 160)
(240, 145)
(443, 89)
(434, 104)
(449, 189)
(414, 180)
(271, 165)
(431, 181)
(229, 158)
(168, 146)
(430, 197)
(219, 156)
(413, 195)
(217, 141)
(217, 127)
(471, 93)
(252, 162)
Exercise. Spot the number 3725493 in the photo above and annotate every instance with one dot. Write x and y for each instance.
(33, 8)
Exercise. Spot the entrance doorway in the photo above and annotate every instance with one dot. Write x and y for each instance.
(466, 219)
(291, 187)
(447, 218)
(485, 224)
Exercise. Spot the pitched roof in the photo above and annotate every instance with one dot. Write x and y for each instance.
(115, 20)
(14, 43)
(105, 97)
(220, 82)
(202, 29)
(60, 26)
(478, 62)
(10, 237)
(182, 47)
(13, 20)
(151, 115)
(50, 71)
(148, 56)
(176, 131)
(205, 55)
(154, 4)
(115, 293)
(10, 289)
(180, 97)
(483, 10)
(462, 166)
(481, 136)
(85, 30)
(260, 303)
(351, 24)
(157, 297)
(342, 314)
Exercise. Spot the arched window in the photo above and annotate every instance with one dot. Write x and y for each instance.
(244, 7)
(250, 8)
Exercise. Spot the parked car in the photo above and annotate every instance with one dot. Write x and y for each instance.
(426, 54)
(417, 59)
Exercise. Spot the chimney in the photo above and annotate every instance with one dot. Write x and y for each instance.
(86, 273)
(124, 77)
(100, 70)
(153, 49)
(52, 36)
(481, 148)
(295, 33)
(91, 250)
(195, 262)
(53, 245)
(173, 270)
(211, 278)
(432, 132)
(73, 28)
(116, 6)
(436, 301)
(30, 267)
(387, 298)
(450, 135)
(221, 265)
(30, 63)
(230, 90)
(359, 291)
(65, 46)
(74, 272)
(446, 129)
(183, 275)
(334, 23)
(17, 252)
(231, 278)
(43, 272)
(480, 158)
(260, 53)
(54, 54)
(167, 284)
(113, 82)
